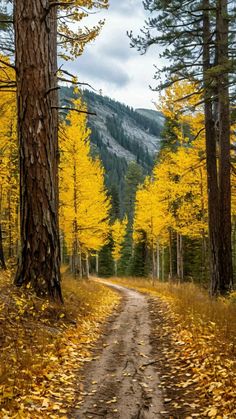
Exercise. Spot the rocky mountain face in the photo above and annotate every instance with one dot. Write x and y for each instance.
(120, 135)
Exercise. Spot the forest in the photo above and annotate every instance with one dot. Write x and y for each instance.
(117, 222)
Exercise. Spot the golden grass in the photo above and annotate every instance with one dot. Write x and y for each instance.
(43, 345)
(203, 337)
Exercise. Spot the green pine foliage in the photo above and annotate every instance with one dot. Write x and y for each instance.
(140, 260)
(106, 263)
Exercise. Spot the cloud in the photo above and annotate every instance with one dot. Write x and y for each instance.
(123, 6)
(110, 64)
(99, 68)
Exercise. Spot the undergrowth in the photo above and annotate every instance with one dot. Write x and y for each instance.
(43, 346)
(203, 348)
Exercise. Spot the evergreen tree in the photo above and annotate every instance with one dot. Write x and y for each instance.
(139, 264)
(106, 263)
(133, 178)
(197, 36)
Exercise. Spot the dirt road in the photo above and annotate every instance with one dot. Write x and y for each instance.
(122, 381)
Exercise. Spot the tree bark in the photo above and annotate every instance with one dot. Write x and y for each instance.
(115, 265)
(36, 78)
(212, 183)
(225, 246)
(154, 266)
(170, 255)
(10, 241)
(87, 273)
(2, 258)
(158, 261)
(163, 264)
(97, 264)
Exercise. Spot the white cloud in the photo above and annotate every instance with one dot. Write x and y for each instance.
(111, 65)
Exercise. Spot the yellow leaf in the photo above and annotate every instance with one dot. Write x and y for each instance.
(212, 412)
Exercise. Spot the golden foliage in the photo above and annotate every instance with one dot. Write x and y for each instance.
(118, 230)
(9, 188)
(73, 37)
(84, 208)
(175, 196)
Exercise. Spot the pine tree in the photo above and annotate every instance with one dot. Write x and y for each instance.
(196, 37)
(133, 178)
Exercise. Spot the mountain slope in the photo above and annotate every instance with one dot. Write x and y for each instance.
(126, 132)
(119, 135)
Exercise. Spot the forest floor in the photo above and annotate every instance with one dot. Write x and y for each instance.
(44, 345)
(126, 349)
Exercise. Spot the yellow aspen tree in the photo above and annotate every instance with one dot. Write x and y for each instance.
(8, 164)
(180, 104)
(153, 218)
(84, 205)
(118, 230)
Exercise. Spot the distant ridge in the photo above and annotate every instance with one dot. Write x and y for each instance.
(120, 134)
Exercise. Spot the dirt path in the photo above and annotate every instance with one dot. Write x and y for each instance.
(122, 382)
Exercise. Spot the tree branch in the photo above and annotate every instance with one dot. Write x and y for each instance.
(7, 64)
(63, 108)
(77, 83)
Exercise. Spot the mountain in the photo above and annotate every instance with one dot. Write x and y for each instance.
(152, 115)
(120, 134)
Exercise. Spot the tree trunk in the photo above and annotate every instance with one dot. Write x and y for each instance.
(36, 77)
(97, 264)
(87, 265)
(10, 242)
(2, 259)
(213, 197)
(181, 250)
(154, 267)
(158, 261)
(163, 264)
(178, 255)
(115, 265)
(225, 246)
(234, 245)
(170, 255)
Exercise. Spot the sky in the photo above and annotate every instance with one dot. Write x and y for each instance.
(110, 65)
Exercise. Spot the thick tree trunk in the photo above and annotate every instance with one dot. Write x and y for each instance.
(36, 77)
(212, 183)
(225, 247)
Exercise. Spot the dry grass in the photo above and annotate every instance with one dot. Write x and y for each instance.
(43, 346)
(194, 306)
(203, 342)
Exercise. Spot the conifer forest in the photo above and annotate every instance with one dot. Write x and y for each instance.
(117, 209)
